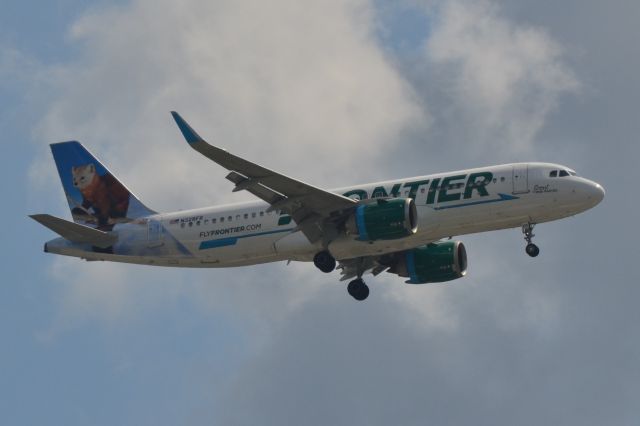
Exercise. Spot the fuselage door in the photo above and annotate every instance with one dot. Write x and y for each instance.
(155, 233)
(520, 178)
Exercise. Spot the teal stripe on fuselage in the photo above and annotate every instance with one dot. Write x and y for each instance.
(224, 242)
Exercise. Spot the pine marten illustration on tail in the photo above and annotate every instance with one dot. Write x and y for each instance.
(107, 197)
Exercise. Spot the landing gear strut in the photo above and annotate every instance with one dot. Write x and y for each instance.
(531, 249)
(324, 261)
(358, 289)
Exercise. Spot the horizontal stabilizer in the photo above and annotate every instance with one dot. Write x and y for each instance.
(75, 232)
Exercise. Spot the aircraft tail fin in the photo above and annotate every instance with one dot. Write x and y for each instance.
(96, 197)
(75, 232)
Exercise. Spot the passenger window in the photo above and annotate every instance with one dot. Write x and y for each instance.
(253, 214)
(182, 225)
(221, 219)
(237, 217)
(206, 221)
(554, 173)
(563, 173)
(246, 215)
(190, 224)
(230, 218)
(198, 223)
(261, 214)
(502, 179)
(213, 220)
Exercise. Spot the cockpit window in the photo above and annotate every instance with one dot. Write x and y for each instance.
(554, 173)
(564, 173)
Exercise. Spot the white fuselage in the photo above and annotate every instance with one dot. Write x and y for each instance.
(447, 204)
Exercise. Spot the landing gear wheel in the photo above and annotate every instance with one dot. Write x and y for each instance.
(532, 250)
(358, 289)
(324, 261)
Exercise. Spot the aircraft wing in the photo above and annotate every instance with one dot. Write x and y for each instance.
(312, 208)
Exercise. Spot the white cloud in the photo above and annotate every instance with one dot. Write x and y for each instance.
(113, 295)
(298, 87)
(497, 80)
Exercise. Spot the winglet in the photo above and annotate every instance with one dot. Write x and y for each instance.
(189, 134)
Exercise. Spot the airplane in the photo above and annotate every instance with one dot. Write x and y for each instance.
(404, 227)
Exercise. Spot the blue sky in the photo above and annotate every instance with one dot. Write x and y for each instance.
(394, 88)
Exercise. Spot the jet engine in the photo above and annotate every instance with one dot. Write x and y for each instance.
(384, 219)
(433, 263)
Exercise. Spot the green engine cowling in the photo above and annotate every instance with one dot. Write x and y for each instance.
(384, 219)
(433, 263)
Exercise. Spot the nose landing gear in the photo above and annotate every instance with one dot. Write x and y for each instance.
(531, 249)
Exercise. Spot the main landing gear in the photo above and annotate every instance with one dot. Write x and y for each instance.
(358, 289)
(324, 261)
(531, 249)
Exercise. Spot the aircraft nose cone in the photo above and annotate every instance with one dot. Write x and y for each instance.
(596, 193)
